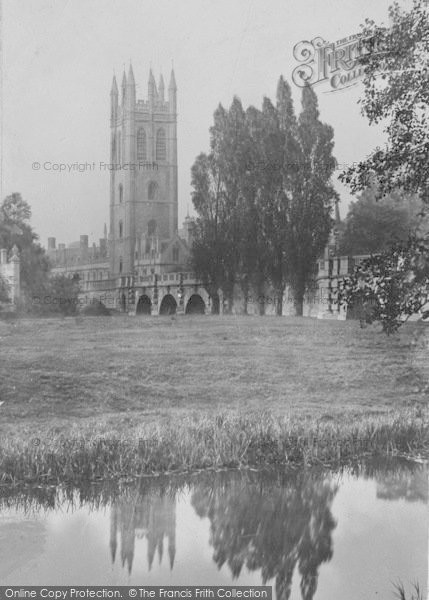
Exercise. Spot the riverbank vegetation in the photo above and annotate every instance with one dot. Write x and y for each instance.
(257, 440)
(91, 398)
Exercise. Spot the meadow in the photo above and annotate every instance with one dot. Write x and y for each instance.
(101, 397)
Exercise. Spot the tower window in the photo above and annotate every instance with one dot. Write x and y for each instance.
(141, 144)
(175, 254)
(120, 265)
(121, 192)
(121, 229)
(161, 146)
(152, 190)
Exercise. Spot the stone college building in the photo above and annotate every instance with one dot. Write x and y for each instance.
(141, 265)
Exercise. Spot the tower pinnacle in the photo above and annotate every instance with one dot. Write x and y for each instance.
(124, 85)
(161, 87)
(130, 80)
(114, 89)
(172, 85)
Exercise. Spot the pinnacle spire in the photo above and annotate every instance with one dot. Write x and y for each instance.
(130, 80)
(114, 90)
(124, 85)
(161, 87)
(152, 91)
(172, 85)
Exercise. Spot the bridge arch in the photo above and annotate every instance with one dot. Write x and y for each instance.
(144, 305)
(195, 305)
(168, 305)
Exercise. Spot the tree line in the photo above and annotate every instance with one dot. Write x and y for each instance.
(36, 280)
(264, 199)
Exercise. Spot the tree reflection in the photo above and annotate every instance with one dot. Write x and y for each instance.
(278, 525)
(271, 526)
(406, 484)
(396, 478)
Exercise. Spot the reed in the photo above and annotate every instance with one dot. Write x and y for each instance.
(400, 593)
(231, 440)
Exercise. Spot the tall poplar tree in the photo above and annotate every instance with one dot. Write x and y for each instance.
(311, 196)
(273, 202)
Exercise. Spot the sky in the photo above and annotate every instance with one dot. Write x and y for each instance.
(59, 57)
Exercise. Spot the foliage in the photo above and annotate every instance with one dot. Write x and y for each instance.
(34, 264)
(62, 295)
(15, 209)
(372, 225)
(96, 309)
(208, 233)
(391, 286)
(311, 197)
(263, 197)
(396, 90)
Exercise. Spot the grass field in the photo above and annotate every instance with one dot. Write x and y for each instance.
(120, 374)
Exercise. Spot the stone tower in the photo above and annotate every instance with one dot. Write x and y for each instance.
(143, 182)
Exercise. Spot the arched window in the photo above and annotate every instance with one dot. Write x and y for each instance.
(121, 229)
(161, 146)
(175, 254)
(141, 144)
(152, 192)
(120, 265)
(121, 192)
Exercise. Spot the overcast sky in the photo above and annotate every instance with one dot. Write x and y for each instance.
(59, 57)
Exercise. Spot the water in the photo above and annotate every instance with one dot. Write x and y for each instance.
(325, 535)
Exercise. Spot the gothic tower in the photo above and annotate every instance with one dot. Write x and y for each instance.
(143, 180)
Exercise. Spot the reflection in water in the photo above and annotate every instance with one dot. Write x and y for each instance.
(152, 517)
(403, 485)
(273, 528)
(277, 525)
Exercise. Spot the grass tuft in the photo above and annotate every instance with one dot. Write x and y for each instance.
(225, 440)
(400, 593)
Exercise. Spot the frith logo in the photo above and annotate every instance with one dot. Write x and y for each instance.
(336, 63)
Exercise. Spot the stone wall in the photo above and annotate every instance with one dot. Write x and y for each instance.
(10, 271)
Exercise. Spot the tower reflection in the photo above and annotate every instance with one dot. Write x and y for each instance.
(151, 517)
